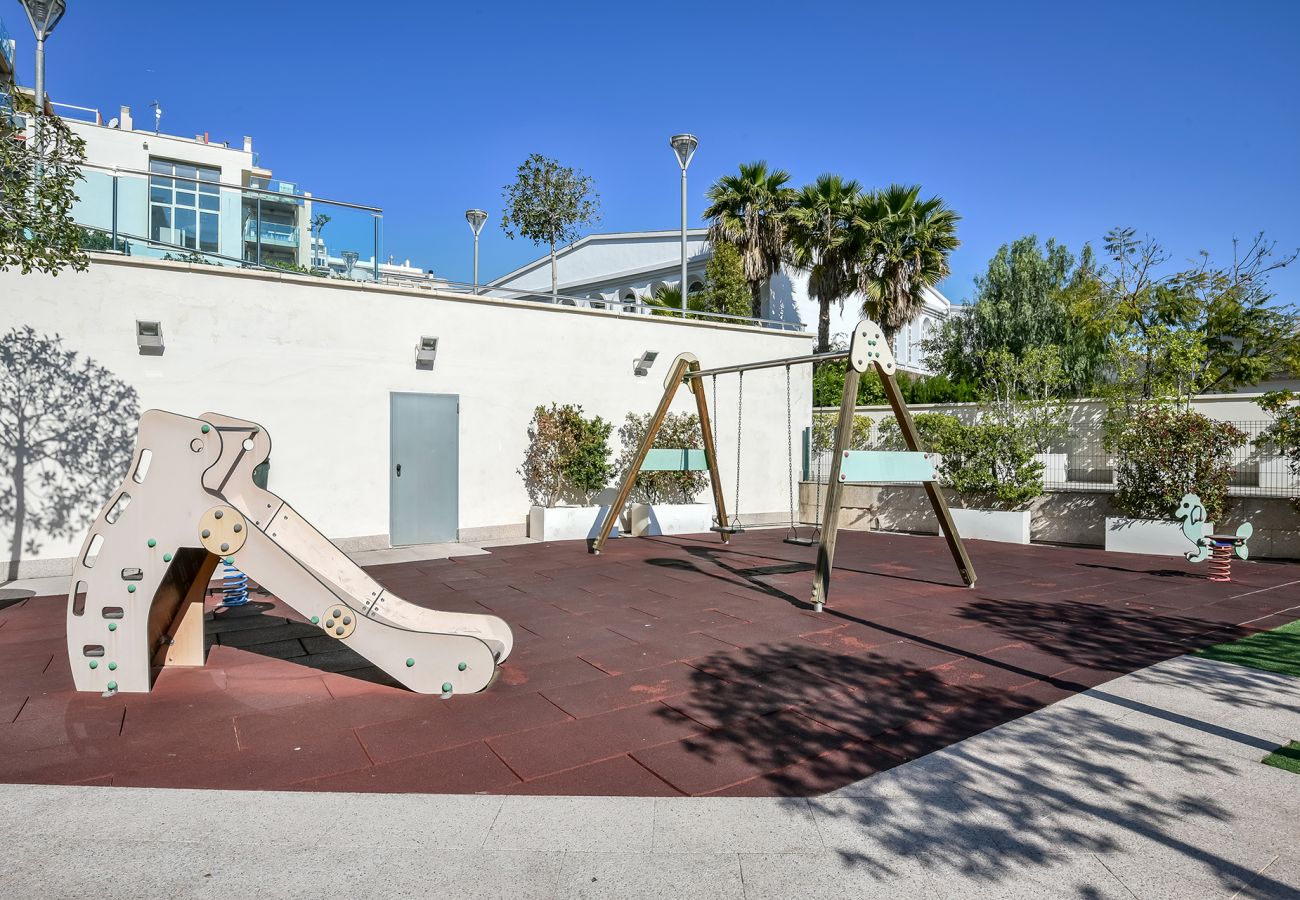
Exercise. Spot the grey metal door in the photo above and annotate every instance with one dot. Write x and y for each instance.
(424, 464)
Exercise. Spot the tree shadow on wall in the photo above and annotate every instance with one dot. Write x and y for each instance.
(67, 427)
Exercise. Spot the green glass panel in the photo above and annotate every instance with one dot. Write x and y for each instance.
(661, 459)
(885, 466)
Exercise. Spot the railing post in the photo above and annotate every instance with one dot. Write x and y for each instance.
(113, 245)
(259, 229)
(376, 273)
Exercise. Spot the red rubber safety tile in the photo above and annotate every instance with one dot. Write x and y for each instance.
(468, 769)
(466, 719)
(741, 751)
(617, 777)
(636, 657)
(618, 691)
(567, 745)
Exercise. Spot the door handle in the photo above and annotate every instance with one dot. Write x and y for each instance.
(399, 470)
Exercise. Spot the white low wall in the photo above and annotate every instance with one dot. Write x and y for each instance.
(314, 362)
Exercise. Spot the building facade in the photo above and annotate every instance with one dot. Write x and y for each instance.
(170, 195)
(621, 269)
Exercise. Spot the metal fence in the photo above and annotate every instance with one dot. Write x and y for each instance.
(1078, 460)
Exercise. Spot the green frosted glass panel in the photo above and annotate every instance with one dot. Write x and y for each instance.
(661, 459)
(885, 466)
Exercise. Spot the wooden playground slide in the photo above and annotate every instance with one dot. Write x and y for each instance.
(189, 501)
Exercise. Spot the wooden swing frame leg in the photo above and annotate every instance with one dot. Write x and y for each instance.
(683, 364)
(835, 490)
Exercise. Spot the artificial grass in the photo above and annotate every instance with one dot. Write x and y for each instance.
(1275, 651)
(1287, 757)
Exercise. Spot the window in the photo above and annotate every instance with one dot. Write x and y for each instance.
(184, 205)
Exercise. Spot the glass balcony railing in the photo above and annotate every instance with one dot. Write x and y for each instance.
(274, 191)
(6, 46)
(272, 233)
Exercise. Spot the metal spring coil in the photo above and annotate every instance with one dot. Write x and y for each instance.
(1221, 561)
(234, 586)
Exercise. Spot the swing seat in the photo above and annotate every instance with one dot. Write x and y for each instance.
(727, 529)
(799, 541)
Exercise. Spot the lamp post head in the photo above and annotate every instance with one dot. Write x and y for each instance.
(476, 218)
(44, 15)
(684, 146)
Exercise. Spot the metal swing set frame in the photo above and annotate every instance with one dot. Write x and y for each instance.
(867, 347)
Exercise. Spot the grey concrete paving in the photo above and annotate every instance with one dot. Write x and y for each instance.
(1149, 786)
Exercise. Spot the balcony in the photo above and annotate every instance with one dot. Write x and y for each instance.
(272, 191)
(273, 234)
(6, 50)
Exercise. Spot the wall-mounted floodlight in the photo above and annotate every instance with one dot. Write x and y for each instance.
(149, 338)
(425, 352)
(641, 367)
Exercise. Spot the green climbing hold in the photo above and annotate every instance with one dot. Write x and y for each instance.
(205, 429)
(112, 626)
(130, 589)
(409, 663)
(112, 667)
(230, 560)
(446, 687)
(462, 667)
(94, 664)
(167, 557)
(315, 620)
(152, 542)
(112, 685)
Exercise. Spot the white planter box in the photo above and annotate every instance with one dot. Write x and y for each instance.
(1154, 537)
(1009, 527)
(1055, 466)
(567, 523)
(670, 518)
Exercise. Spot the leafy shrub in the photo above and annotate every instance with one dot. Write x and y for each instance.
(828, 387)
(823, 432)
(1163, 453)
(679, 431)
(989, 460)
(568, 455)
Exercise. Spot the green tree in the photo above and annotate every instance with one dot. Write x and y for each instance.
(902, 244)
(725, 289)
(37, 231)
(546, 204)
(820, 233)
(1209, 327)
(748, 211)
(1030, 296)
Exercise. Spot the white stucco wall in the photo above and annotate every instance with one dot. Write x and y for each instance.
(314, 363)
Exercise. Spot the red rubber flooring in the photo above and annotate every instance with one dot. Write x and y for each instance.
(664, 666)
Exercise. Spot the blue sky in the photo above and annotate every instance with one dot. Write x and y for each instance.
(1178, 118)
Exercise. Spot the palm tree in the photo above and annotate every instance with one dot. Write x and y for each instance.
(748, 210)
(820, 235)
(902, 248)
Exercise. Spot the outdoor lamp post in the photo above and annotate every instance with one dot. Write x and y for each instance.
(44, 15)
(684, 146)
(476, 218)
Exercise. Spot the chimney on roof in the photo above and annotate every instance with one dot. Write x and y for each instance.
(125, 119)
(248, 144)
